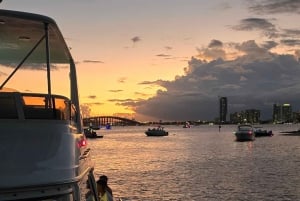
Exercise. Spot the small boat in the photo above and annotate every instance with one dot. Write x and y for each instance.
(259, 132)
(291, 133)
(245, 132)
(44, 153)
(108, 126)
(90, 133)
(159, 131)
(187, 125)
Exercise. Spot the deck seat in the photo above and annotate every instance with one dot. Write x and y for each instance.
(8, 109)
(42, 113)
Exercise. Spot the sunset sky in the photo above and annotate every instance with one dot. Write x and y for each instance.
(172, 59)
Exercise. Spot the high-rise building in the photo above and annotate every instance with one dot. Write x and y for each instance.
(252, 116)
(248, 116)
(282, 113)
(223, 109)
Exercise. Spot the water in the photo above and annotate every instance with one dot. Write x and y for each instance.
(199, 163)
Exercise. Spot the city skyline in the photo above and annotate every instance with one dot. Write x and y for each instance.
(171, 59)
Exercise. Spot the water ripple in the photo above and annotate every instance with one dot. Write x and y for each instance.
(198, 164)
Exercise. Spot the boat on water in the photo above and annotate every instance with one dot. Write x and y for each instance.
(90, 133)
(159, 131)
(44, 151)
(245, 132)
(260, 132)
(187, 125)
(108, 126)
(291, 133)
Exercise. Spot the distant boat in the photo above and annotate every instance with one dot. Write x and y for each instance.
(187, 125)
(90, 133)
(292, 133)
(159, 131)
(108, 126)
(259, 132)
(245, 132)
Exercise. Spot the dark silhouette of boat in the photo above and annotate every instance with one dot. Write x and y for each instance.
(159, 131)
(90, 133)
(259, 132)
(291, 133)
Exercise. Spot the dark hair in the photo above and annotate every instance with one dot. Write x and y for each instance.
(102, 182)
(103, 177)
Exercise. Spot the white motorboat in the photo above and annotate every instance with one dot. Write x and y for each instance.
(44, 154)
(245, 132)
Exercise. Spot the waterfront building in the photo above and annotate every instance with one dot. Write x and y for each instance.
(252, 116)
(282, 113)
(248, 116)
(296, 117)
(223, 109)
(235, 118)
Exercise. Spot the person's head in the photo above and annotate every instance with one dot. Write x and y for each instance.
(103, 177)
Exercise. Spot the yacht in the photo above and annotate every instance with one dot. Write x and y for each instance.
(245, 132)
(44, 153)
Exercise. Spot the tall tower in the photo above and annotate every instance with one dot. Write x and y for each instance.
(282, 113)
(223, 109)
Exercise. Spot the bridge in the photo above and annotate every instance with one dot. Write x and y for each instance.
(112, 120)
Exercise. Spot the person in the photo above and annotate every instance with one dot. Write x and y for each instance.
(103, 194)
(105, 178)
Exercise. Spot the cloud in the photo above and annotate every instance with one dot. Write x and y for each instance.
(92, 61)
(142, 94)
(135, 39)
(215, 44)
(291, 42)
(121, 100)
(269, 44)
(255, 80)
(291, 33)
(273, 7)
(213, 51)
(156, 82)
(115, 90)
(223, 6)
(267, 28)
(92, 97)
(163, 55)
(122, 79)
(93, 103)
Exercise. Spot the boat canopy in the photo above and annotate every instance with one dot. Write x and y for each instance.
(20, 32)
(34, 41)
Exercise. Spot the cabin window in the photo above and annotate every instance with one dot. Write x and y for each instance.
(41, 107)
(8, 108)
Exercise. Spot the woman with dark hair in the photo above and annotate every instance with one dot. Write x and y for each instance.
(105, 178)
(103, 193)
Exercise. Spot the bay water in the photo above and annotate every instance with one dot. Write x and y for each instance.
(198, 163)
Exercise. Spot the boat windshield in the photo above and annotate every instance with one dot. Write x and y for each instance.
(36, 106)
(245, 128)
(43, 107)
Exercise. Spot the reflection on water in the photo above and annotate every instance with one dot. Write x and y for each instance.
(198, 163)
